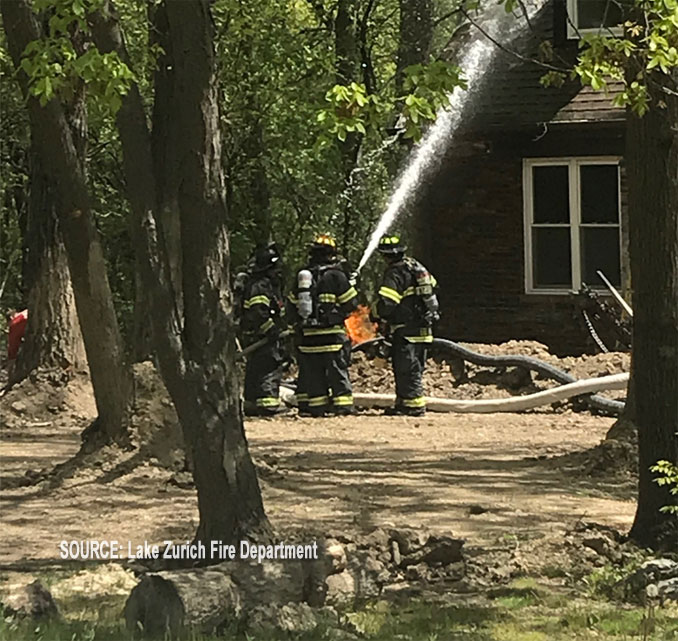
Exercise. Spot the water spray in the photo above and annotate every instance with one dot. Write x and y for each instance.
(475, 61)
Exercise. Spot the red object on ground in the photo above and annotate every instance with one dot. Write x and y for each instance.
(17, 329)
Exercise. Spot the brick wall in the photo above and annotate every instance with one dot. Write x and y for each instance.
(469, 230)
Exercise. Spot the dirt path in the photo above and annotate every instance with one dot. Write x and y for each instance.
(479, 476)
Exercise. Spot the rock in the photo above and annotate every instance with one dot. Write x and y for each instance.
(657, 578)
(395, 553)
(439, 550)
(419, 572)
(341, 589)
(32, 600)
(455, 571)
(603, 546)
(334, 556)
(658, 569)
(409, 540)
(18, 407)
(367, 572)
(668, 590)
(292, 618)
(377, 538)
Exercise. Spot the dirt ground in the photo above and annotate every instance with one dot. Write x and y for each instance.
(481, 477)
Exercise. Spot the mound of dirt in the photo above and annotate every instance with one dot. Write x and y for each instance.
(449, 378)
(155, 427)
(48, 399)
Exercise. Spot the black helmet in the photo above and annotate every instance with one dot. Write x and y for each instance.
(265, 258)
(391, 245)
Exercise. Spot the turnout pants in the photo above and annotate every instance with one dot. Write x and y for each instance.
(327, 381)
(263, 374)
(409, 362)
(302, 382)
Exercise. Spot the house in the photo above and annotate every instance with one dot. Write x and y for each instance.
(529, 200)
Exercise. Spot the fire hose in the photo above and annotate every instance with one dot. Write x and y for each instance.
(513, 404)
(569, 387)
(568, 382)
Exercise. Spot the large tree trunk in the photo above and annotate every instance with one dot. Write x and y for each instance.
(416, 35)
(58, 151)
(209, 401)
(53, 338)
(652, 161)
(195, 346)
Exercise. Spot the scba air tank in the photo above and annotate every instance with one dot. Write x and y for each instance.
(425, 290)
(304, 298)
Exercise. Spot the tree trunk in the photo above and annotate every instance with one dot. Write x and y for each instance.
(195, 346)
(652, 161)
(53, 338)
(208, 404)
(207, 599)
(58, 151)
(163, 143)
(347, 63)
(416, 35)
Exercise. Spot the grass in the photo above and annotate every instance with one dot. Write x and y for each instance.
(525, 610)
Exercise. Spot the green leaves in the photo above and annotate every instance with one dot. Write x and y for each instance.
(351, 109)
(54, 67)
(668, 477)
(649, 46)
(429, 87)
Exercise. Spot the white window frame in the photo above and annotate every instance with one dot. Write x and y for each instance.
(574, 32)
(575, 223)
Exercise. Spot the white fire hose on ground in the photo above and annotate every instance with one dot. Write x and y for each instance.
(485, 406)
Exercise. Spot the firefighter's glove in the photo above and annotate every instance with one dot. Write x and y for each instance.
(432, 317)
(353, 278)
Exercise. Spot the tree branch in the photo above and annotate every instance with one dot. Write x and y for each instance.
(510, 51)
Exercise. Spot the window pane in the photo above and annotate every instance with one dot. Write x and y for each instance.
(600, 250)
(551, 194)
(551, 256)
(593, 14)
(599, 193)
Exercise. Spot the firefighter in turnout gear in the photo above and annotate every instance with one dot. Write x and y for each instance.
(262, 309)
(321, 300)
(408, 304)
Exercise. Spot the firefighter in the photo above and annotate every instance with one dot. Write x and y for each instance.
(262, 318)
(408, 305)
(321, 300)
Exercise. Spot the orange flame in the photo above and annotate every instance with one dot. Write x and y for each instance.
(359, 326)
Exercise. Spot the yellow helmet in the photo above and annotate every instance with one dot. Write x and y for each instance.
(324, 241)
(391, 245)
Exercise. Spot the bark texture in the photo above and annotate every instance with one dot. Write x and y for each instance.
(58, 149)
(416, 36)
(347, 63)
(194, 343)
(53, 338)
(652, 161)
(205, 599)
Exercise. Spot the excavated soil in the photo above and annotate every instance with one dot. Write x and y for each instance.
(482, 477)
(446, 377)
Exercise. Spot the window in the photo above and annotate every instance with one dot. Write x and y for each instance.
(572, 228)
(593, 16)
